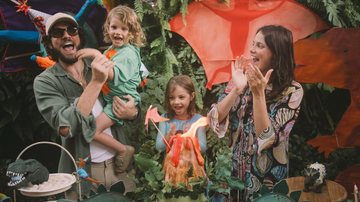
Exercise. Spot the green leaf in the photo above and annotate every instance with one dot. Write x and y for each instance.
(145, 162)
(138, 8)
(159, 94)
(156, 42)
(235, 183)
(333, 11)
(295, 195)
(281, 187)
(264, 190)
(183, 10)
(171, 57)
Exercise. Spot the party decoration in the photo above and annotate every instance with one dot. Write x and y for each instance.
(334, 59)
(16, 54)
(22, 172)
(183, 161)
(314, 175)
(153, 115)
(43, 62)
(233, 26)
(82, 172)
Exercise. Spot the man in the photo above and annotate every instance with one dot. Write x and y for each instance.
(67, 93)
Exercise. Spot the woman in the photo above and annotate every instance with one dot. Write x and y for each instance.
(261, 105)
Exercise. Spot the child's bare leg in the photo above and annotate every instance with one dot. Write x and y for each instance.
(103, 122)
(125, 152)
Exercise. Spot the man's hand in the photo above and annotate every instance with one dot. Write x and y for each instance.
(100, 68)
(125, 110)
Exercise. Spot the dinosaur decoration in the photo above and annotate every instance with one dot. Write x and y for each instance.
(314, 175)
(23, 172)
(334, 59)
(183, 161)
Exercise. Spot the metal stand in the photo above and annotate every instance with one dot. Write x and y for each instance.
(66, 151)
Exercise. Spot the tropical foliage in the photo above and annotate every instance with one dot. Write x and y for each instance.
(167, 54)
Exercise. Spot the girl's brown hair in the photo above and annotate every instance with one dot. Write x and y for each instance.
(185, 82)
(128, 17)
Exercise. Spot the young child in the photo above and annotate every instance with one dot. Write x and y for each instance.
(180, 104)
(123, 30)
(184, 152)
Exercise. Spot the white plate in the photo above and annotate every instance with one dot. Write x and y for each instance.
(57, 183)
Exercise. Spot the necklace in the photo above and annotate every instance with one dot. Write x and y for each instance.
(83, 84)
(81, 80)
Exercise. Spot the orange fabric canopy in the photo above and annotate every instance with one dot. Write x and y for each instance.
(218, 33)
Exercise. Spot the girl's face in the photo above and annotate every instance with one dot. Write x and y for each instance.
(179, 100)
(260, 53)
(118, 32)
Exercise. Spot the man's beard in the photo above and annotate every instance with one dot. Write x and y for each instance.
(64, 59)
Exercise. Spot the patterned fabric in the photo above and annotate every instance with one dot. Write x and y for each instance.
(269, 164)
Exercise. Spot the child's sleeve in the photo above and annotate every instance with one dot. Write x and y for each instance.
(160, 144)
(201, 134)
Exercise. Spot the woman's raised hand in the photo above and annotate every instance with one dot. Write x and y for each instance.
(238, 69)
(257, 82)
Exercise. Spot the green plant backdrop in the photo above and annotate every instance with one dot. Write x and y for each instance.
(167, 54)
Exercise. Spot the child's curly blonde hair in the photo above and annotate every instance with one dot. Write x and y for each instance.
(128, 17)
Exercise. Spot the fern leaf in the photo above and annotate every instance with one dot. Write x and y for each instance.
(183, 9)
(138, 7)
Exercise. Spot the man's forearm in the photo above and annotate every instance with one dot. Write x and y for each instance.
(88, 98)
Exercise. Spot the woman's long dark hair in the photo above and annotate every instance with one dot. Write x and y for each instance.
(280, 42)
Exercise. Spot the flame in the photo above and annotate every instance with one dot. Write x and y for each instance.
(192, 131)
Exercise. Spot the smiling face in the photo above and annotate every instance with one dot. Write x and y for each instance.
(118, 32)
(260, 53)
(67, 45)
(180, 100)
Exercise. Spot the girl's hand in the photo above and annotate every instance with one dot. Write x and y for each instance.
(171, 132)
(87, 52)
(256, 80)
(238, 69)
